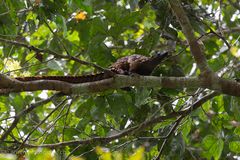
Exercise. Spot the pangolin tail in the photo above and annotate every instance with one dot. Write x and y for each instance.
(69, 79)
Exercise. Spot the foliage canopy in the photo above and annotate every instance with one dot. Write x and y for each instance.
(75, 37)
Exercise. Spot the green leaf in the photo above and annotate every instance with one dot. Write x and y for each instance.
(8, 157)
(83, 29)
(39, 154)
(227, 104)
(99, 26)
(148, 42)
(211, 46)
(84, 108)
(82, 6)
(118, 104)
(17, 101)
(115, 28)
(54, 65)
(216, 63)
(99, 109)
(186, 128)
(218, 104)
(3, 107)
(61, 24)
(73, 37)
(69, 133)
(99, 52)
(213, 146)
(163, 124)
(237, 131)
(235, 146)
(142, 96)
(235, 103)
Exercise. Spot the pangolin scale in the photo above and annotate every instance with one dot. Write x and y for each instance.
(138, 64)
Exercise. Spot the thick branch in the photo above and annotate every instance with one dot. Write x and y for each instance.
(11, 85)
(214, 83)
(119, 81)
(189, 33)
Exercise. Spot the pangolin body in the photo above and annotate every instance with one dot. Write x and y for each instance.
(138, 64)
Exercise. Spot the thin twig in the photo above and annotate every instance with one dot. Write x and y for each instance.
(132, 130)
(21, 115)
(30, 133)
(172, 130)
(55, 54)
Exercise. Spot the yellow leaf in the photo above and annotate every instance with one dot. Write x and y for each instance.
(140, 32)
(104, 153)
(138, 155)
(25, 74)
(118, 155)
(11, 65)
(82, 15)
(76, 158)
(235, 52)
(106, 156)
(99, 150)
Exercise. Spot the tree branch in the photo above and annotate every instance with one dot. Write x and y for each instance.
(22, 113)
(132, 130)
(222, 85)
(119, 81)
(189, 33)
(12, 85)
(39, 124)
(56, 55)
